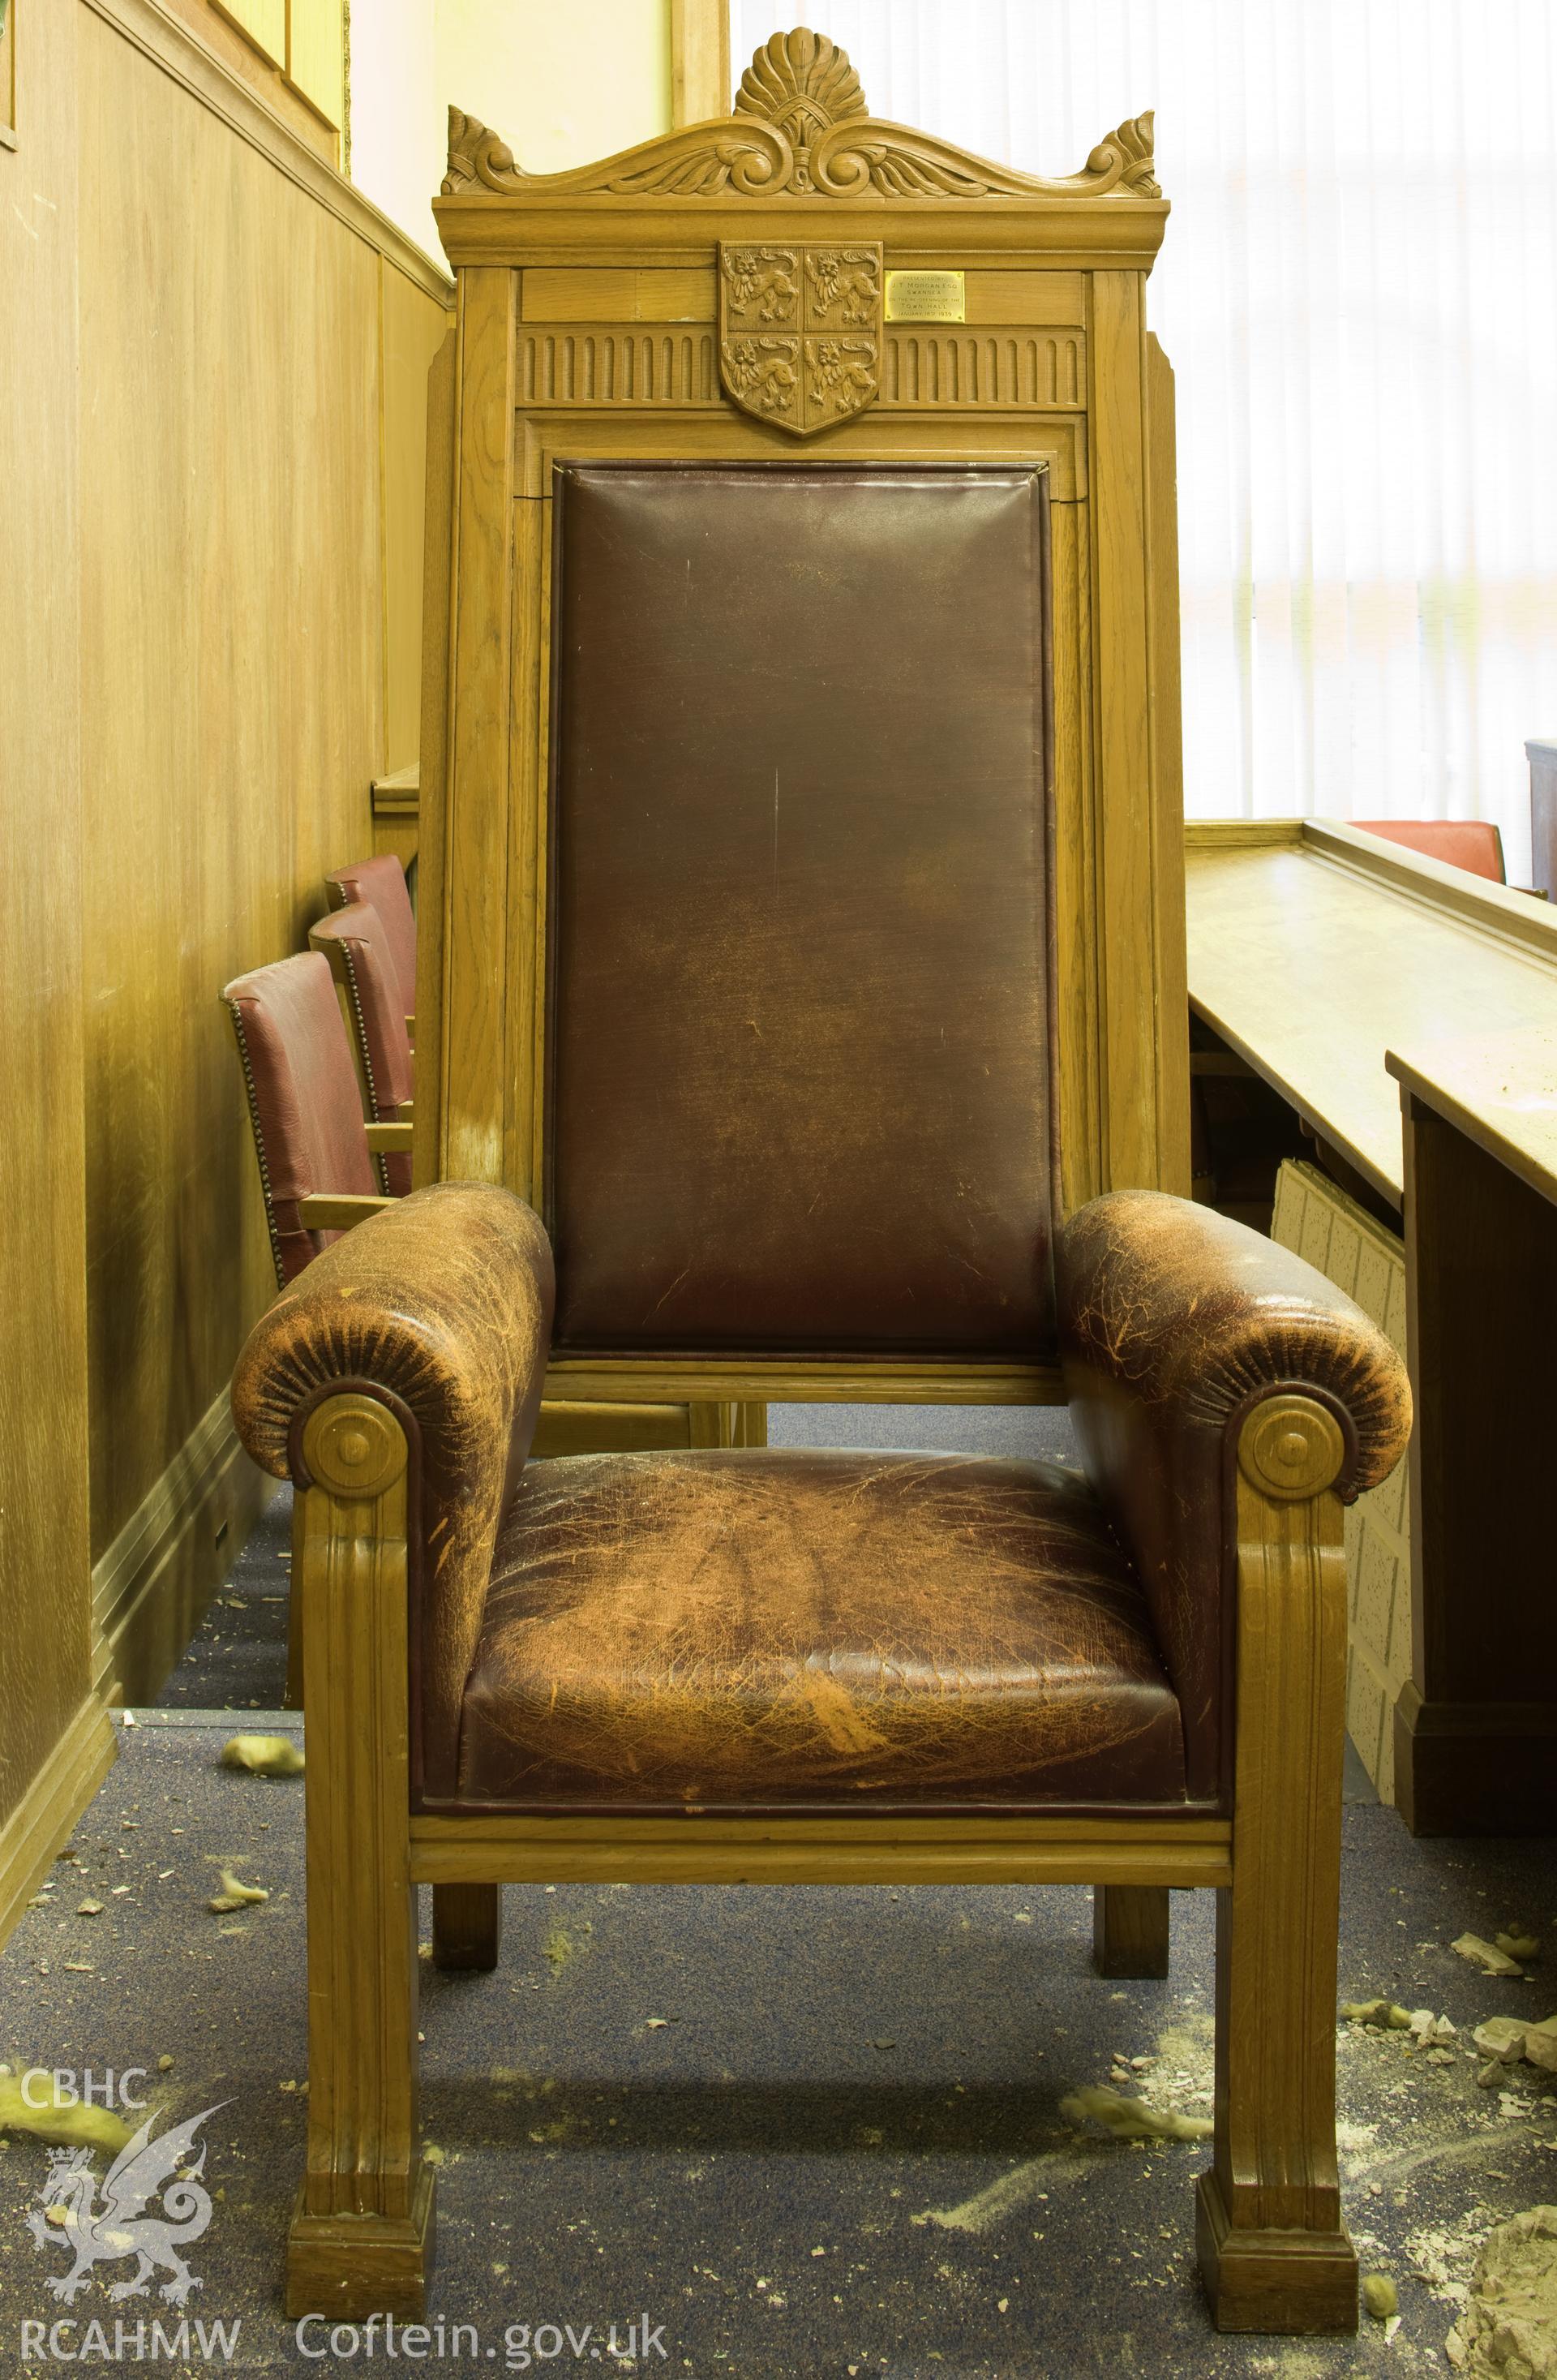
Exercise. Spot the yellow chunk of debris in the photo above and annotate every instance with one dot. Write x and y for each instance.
(33, 2103)
(1379, 2296)
(1485, 1955)
(236, 1894)
(1517, 1944)
(1387, 2014)
(263, 1756)
(1132, 2119)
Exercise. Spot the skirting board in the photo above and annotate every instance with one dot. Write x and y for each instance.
(151, 1587)
(44, 1819)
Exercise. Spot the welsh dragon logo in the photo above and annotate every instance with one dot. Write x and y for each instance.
(121, 2226)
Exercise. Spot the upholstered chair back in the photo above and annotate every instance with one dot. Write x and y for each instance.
(1474, 844)
(303, 1099)
(799, 1076)
(357, 940)
(381, 881)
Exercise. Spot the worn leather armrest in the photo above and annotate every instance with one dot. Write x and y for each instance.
(441, 1305)
(1174, 1323)
(1169, 1303)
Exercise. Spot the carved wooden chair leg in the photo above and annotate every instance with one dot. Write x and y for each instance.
(466, 1926)
(361, 2235)
(1130, 1929)
(294, 1612)
(1274, 2251)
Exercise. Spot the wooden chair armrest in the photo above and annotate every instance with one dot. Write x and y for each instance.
(389, 1136)
(324, 1213)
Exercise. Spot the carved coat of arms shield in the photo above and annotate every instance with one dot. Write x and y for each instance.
(799, 329)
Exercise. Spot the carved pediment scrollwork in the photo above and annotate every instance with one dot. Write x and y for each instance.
(800, 129)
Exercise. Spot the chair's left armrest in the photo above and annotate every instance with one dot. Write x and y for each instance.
(1176, 1325)
(439, 1308)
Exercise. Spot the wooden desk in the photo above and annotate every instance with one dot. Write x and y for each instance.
(1313, 948)
(1479, 1712)
(1314, 952)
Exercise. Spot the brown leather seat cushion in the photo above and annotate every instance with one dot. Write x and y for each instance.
(758, 1627)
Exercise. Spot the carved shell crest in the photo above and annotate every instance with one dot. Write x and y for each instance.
(799, 128)
(803, 82)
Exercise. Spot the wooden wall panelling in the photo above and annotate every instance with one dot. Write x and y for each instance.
(244, 611)
(8, 79)
(54, 1743)
(236, 710)
(247, 38)
(195, 553)
(264, 21)
(315, 55)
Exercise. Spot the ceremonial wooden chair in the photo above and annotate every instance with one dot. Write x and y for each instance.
(380, 881)
(354, 942)
(803, 960)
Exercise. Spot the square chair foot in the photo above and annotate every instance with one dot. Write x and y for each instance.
(346, 2267)
(1278, 2280)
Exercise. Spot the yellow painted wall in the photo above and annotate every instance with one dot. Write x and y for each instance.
(397, 114)
(563, 81)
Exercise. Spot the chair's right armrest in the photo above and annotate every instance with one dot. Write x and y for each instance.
(440, 1306)
(1177, 1324)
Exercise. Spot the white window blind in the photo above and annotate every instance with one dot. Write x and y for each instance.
(1358, 294)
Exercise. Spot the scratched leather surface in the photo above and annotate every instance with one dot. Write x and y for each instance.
(304, 1102)
(800, 1067)
(1173, 1321)
(444, 1300)
(783, 1626)
(381, 1006)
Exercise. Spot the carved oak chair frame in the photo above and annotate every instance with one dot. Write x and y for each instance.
(1189, 1350)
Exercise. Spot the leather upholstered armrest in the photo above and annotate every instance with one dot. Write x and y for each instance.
(441, 1306)
(1174, 1322)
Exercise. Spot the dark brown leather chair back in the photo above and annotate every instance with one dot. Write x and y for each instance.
(799, 1074)
(354, 942)
(303, 1099)
(381, 881)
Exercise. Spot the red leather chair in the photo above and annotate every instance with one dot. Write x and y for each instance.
(356, 943)
(1474, 844)
(380, 881)
(314, 1152)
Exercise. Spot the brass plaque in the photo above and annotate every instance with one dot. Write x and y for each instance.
(926, 297)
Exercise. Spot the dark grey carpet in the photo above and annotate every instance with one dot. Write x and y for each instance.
(762, 2173)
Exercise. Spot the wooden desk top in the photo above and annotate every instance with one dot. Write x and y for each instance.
(1313, 949)
(1499, 1089)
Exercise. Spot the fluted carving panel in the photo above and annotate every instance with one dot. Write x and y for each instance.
(938, 367)
(615, 364)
